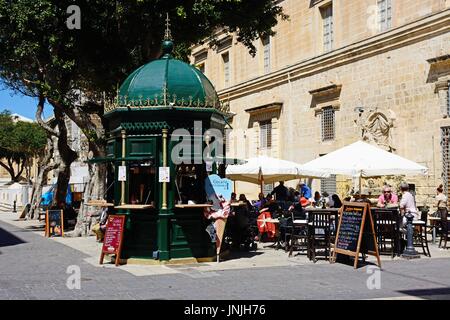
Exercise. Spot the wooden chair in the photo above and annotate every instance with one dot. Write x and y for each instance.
(444, 227)
(420, 233)
(318, 234)
(386, 228)
(298, 233)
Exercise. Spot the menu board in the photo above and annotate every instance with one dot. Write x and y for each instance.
(112, 242)
(54, 223)
(355, 232)
(349, 228)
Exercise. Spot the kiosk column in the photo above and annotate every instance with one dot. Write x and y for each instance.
(164, 215)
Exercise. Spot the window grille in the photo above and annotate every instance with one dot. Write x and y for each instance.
(267, 188)
(328, 124)
(327, 16)
(328, 185)
(266, 45)
(445, 145)
(384, 14)
(265, 134)
(226, 68)
(448, 99)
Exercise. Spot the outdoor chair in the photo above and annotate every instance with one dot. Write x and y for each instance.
(319, 237)
(298, 233)
(386, 229)
(444, 227)
(420, 233)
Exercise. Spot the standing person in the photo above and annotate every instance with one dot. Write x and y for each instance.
(281, 192)
(305, 191)
(387, 198)
(441, 199)
(407, 203)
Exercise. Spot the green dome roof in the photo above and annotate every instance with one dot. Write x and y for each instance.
(167, 82)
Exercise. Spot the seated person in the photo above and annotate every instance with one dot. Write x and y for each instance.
(387, 198)
(305, 191)
(261, 201)
(408, 204)
(233, 197)
(318, 200)
(243, 198)
(337, 203)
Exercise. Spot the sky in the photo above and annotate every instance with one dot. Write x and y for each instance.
(17, 103)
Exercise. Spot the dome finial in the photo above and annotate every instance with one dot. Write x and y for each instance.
(167, 45)
(167, 34)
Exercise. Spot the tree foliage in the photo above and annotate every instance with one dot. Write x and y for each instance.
(20, 142)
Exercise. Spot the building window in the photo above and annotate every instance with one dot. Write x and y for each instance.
(226, 68)
(328, 185)
(266, 47)
(384, 14)
(227, 140)
(445, 145)
(328, 124)
(265, 134)
(327, 20)
(267, 188)
(448, 99)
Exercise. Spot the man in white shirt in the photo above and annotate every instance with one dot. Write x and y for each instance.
(407, 204)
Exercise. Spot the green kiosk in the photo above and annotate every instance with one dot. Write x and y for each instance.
(160, 104)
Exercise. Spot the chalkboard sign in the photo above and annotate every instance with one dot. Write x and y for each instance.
(112, 242)
(54, 223)
(356, 233)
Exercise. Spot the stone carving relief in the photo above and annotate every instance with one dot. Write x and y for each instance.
(376, 128)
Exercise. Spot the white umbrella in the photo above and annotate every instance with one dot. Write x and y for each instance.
(361, 159)
(269, 170)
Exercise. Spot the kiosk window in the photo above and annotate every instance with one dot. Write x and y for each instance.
(141, 185)
(190, 183)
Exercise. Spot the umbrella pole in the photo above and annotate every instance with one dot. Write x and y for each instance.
(360, 185)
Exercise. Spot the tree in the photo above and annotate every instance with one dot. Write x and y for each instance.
(76, 70)
(20, 142)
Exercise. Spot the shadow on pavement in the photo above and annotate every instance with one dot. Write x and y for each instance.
(8, 239)
(430, 294)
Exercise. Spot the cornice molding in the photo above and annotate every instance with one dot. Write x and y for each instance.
(395, 38)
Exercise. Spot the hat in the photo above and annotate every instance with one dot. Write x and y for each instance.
(304, 202)
(386, 189)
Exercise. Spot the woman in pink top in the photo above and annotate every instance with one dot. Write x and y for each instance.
(387, 198)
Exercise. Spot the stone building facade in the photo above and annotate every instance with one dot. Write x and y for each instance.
(338, 71)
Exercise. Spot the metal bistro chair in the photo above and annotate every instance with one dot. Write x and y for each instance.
(386, 228)
(420, 233)
(444, 227)
(298, 233)
(319, 235)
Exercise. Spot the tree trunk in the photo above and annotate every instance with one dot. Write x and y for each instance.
(95, 190)
(92, 126)
(67, 156)
(44, 168)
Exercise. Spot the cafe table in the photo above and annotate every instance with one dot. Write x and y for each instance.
(433, 225)
(277, 243)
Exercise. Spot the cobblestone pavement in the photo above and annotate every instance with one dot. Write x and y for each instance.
(33, 267)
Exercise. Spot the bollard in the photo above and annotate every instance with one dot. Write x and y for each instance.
(14, 206)
(410, 252)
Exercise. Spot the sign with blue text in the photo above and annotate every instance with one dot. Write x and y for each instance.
(218, 189)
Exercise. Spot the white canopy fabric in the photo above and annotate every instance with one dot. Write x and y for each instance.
(270, 170)
(361, 159)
